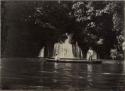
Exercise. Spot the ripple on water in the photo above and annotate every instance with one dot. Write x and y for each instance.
(34, 74)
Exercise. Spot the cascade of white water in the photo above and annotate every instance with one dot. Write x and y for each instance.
(123, 48)
(64, 50)
(41, 54)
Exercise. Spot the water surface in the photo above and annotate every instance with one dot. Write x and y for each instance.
(36, 73)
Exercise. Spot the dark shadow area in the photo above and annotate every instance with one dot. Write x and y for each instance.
(28, 26)
(18, 38)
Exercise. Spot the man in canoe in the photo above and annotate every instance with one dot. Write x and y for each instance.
(113, 53)
(90, 54)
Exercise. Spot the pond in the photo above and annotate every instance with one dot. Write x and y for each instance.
(36, 73)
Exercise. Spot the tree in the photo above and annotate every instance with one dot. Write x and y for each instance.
(99, 22)
(53, 19)
(92, 23)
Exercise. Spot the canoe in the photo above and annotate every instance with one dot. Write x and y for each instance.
(73, 61)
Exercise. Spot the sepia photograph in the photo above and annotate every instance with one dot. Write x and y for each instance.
(59, 45)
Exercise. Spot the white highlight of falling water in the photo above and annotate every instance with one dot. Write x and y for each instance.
(64, 50)
(41, 54)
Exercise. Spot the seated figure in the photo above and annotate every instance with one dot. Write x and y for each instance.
(113, 53)
(91, 54)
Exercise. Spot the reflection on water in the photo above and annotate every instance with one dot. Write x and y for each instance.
(124, 66)
(89, 68)
(36, 73)
(89, 74)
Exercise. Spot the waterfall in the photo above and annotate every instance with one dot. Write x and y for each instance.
(77, 52)
(41, 54)
(62, 50)
(123, 48)
(67, 50)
